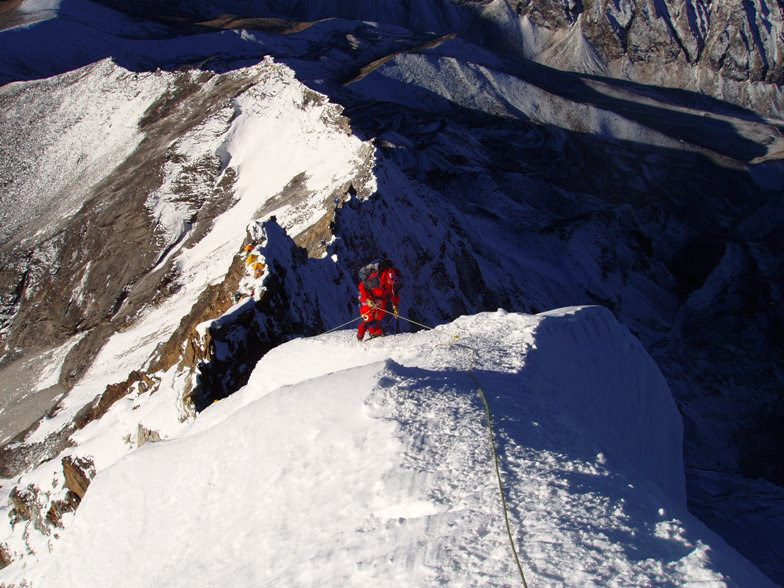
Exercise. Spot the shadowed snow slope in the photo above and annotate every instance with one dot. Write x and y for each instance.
(343, 464)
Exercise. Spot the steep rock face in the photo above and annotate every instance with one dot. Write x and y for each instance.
(78, 278)
(100, 281)
(740, 39)
(708, 46)
(78, 472)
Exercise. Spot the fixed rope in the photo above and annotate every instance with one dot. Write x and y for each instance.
(341, 326)
(497, 462)
(491, 436)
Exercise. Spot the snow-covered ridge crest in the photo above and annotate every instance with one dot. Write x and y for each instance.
(344, 464)
(224, 172)
(247, 144)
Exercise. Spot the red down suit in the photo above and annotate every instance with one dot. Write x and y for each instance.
(375, 292)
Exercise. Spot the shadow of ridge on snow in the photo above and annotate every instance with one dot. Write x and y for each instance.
(547, 449)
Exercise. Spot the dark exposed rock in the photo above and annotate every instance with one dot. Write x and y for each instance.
(78, 473)
(26, 506)
(248, 333)
(5, 556)
(58, 508)
(98, 407)
(185, 347)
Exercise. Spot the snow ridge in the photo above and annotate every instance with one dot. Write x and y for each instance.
(371, 464)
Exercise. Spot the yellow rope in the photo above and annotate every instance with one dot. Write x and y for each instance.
(497, 461)
(491, 435)
(496, 458)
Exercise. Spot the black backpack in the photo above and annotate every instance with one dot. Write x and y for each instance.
(370, 275)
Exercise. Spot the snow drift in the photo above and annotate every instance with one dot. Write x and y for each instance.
(343, 464)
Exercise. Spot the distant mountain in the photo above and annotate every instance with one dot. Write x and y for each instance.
(713, 48)
(708, 47)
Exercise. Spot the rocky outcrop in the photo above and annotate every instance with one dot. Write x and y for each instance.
(5, 556)
(78, 472)
(59, 508)
(91, 279)
(138, 381)
(25, 507)
(712, 47)
(145, 435)
(44, 508)
(259, 321)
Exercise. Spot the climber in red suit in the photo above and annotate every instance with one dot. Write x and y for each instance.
(376, 291)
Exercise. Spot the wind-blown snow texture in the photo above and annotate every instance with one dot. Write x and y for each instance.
(343, 464)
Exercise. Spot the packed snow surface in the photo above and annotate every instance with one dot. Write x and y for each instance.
(355, 464)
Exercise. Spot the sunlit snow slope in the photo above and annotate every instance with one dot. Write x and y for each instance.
(346, 464)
